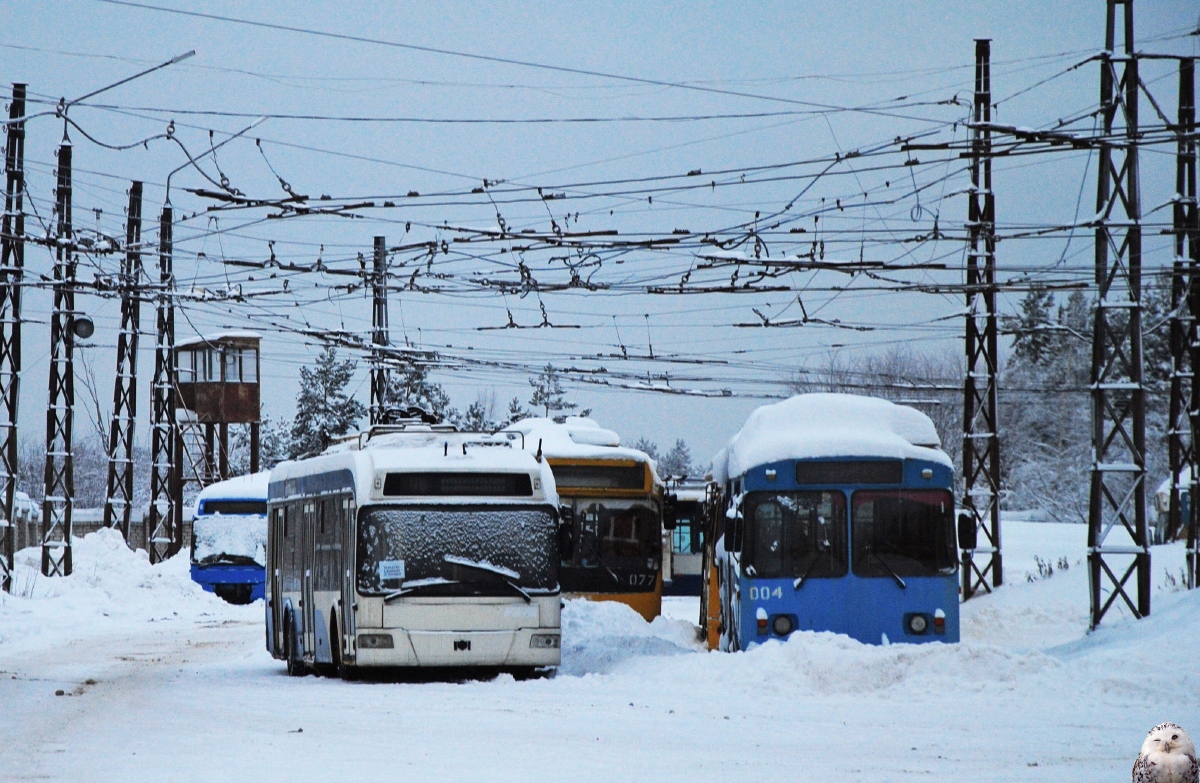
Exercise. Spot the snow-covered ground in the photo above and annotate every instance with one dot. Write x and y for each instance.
(162, 681)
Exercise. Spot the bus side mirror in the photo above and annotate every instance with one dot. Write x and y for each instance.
(967, 532)
(670, 512)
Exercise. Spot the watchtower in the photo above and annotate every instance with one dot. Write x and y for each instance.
(217, 383)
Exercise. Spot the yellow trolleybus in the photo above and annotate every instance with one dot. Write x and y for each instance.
(612, 501)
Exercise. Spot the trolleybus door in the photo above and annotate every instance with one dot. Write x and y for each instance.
(346, 568)
(309, 548)
(275, 562)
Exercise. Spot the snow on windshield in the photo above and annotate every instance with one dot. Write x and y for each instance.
(229, 538)
(401, 545)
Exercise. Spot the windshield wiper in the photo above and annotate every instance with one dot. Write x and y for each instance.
(796, 585)
(408, 588)
(887, 568)
(504, 575)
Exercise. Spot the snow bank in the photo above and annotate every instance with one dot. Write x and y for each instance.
(829, 425)
(110, 587)
(599, 637)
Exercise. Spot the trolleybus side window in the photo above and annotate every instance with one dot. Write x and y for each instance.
(795, 534)
(903, 533)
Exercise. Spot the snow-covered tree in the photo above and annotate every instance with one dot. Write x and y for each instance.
(411, 387)
(677, 461)
(323, 409)
(273, 446)
(650, 447)
(548, 393)
(515, 412)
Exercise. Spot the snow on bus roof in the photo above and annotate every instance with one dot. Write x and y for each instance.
(577, 437)
(249, 487)
(829, 425)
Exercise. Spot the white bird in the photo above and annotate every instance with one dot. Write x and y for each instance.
(1168, 756)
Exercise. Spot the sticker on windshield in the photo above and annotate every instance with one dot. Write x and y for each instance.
(391, 569)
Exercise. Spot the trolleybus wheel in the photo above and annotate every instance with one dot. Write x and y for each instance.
(295, 667)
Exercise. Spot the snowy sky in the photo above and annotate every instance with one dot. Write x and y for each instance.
(829, 54)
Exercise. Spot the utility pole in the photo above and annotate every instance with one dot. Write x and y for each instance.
(161, 536)
(1186, 219)
(119, 504)
(59, 477)
(12, 266)
(379, 332)
(1181, 450)
(981, 438)
(1117, 541)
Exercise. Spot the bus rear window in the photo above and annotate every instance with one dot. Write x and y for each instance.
(600, 476)
(874, 471)
(258, 507)
(458, 485)
(903, 533)
(795, 534)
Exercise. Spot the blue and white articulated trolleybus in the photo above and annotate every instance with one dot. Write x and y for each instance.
(838, 516)
(414, 546)
(229, 538)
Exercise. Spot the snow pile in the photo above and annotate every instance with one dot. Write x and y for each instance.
(110, 587)
(829, 425)
(599, 637)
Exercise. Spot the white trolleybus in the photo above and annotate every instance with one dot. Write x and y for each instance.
(414, 546)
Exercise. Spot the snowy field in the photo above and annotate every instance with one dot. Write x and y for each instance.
(161, 681)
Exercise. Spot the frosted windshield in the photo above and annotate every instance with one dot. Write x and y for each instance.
(400, 546)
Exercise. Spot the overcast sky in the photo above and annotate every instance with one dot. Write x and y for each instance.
(794, 64)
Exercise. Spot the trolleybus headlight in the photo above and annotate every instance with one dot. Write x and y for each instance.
(917, 624)
(782, 624)
(375, 641)
(544, 641)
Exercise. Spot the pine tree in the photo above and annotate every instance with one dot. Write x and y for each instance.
(515, 412)
(323, 409)
(648, 446)
(411, 387)
(677, 461)
(548, 393)
(1032, 330)
(273, 446)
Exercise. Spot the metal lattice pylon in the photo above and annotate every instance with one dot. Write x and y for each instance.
(981, 438)
(119, 504)
(59, 477)
(12, 266)
(1117, 540)
(379, 332)
(161, 536)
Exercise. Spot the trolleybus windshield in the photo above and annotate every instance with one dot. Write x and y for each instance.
(457, 549)
(903, 533)
(795, 534)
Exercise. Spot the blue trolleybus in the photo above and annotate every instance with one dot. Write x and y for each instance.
(229, 538)
(838, 516)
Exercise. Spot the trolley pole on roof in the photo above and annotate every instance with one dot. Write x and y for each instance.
(12, 265)
(1117, 542)
(59, 476)
(161, 536)
(379, 331)
(981, 439)
(1183, 326)
(119, 504)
